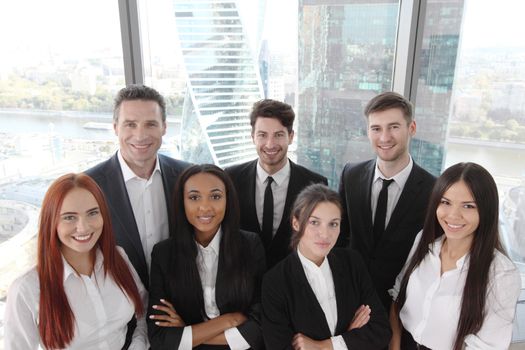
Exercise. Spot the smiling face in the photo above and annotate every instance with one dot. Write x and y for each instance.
(458, 213)
(389, 134)
(320, 233)
(204, 205)
(271, 140)
(80, 223)
(140, 128)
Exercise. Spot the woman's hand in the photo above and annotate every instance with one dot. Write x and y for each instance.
(302, 342)
(361, 317)
(170, 319)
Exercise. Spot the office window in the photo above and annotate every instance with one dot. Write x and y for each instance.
(346, 56)
(470, 105)
(60, 68)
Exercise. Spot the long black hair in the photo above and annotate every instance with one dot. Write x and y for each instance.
(485, 241)
(232, 258)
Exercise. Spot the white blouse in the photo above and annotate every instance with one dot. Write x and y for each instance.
(433, 301)
(101, 310)
(321, 281)
(207, 264)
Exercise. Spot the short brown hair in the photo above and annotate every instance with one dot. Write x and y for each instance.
(304, 205)
(138, 92)
(268, 108)
(389, 100)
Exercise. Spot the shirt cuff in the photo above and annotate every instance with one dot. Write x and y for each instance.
(187, 339)
(338, 343)
(235, 339)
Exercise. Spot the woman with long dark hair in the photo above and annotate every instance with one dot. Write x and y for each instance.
(319, 297)
(458, 288)
(84, 290)
(205, 279)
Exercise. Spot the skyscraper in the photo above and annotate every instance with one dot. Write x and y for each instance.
(222, 82)
(346, 57)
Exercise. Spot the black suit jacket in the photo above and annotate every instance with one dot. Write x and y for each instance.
(108, 176)
(169, 338)
(290, 305)
(244, 177)
(384, 258)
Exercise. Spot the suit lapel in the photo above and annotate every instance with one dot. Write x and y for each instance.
(405, 201)
(365, 188)
(249, 195)
(310, 300)
(294, 187)
(124, 213)
(169, 175)
(341, 292)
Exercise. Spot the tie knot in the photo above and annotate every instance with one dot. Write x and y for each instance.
(269, 181)
(386, 183)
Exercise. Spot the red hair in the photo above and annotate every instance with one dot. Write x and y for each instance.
(56, 319)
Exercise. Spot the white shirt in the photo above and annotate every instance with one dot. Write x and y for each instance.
(279, 190)
(207, 263)
(101, 310)
(322, 283)
(394, 190)
(433, 302)
(149, 206)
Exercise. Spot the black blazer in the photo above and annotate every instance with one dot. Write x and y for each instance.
(290, 305)
(108, 176)
(384, 258)
(244, 176)
(169, 338)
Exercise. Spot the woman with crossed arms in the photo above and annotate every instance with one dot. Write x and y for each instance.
(205, 279)
(319, 297)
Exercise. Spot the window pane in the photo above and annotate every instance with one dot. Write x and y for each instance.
(346, 56)
(470, 104)
(58, 76)
(203, 56)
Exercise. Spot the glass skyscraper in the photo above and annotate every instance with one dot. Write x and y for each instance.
(223, 82)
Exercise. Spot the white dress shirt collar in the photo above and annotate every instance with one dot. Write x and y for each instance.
(69, 270)
(128, 174)
(310, 266)
(279, 177)
(214, 244)
(400, 178)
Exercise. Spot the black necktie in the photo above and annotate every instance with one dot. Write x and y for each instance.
(379, 219)
(267, 222)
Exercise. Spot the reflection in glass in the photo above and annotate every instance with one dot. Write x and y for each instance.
(346, 57)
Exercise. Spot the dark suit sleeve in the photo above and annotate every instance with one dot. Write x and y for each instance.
(344, 234)
(277, 330)
(160, 337)
(251, 329)
(376, 333)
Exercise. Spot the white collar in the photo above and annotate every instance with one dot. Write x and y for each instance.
(310, 266)
(129, 174)
(400, 178)
(69, 270)
(214, 244)
(278, 177)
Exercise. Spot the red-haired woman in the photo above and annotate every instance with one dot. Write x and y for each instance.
(83, 291)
